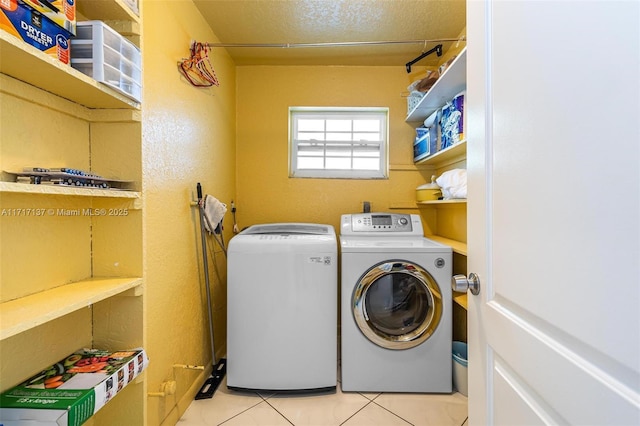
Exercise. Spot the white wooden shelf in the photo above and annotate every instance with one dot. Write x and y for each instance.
(450, 83)
(28, 64)
(25, 313)
(25, 188)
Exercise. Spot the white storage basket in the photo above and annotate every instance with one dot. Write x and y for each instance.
(413, 100)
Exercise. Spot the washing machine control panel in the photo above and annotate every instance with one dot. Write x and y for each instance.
(380, 222)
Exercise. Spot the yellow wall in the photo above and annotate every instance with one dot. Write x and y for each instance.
(265, 193)
(232, 139)
(188, 137)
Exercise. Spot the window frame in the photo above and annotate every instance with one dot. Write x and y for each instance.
(380, 113)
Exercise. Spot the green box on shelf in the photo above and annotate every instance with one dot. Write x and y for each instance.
(72, 390)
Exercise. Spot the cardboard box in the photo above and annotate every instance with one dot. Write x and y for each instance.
(427, 138)
(73, 389)
(35, 29)
(60, 12)
(422, 147)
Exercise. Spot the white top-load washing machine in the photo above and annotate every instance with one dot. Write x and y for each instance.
(395, 306)
(282, 287)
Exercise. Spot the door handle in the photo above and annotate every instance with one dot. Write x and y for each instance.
(460, 283)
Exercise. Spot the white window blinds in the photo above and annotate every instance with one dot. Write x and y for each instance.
(338, 142)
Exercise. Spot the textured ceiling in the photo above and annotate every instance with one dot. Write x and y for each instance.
(333, 21)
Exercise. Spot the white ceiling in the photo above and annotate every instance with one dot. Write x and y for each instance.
(333, 21)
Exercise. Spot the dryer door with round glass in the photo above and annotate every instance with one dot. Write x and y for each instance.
(397, 304)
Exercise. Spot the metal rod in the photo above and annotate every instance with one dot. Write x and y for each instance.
(331, 44)
(205, 265)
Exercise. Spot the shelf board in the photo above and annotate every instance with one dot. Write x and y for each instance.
(441, 202)
(450, 83)
(25, 188)
(20, 315)
(457, 246)
(115, 10)
(456, 152)
(414, 167)
(403, 206)
(460, 299)
(28, 64)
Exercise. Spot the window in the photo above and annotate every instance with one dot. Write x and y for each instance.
(338, 142)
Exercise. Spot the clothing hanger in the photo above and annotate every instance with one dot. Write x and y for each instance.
(437, 49)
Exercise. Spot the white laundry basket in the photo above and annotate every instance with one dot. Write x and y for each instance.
(460, 362)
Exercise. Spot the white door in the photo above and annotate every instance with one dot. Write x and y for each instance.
(554, 210)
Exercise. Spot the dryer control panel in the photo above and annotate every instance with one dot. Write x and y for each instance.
(375, 223)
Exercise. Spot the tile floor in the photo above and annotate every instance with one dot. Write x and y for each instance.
(327, 409)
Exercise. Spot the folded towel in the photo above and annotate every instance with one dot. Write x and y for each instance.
(213, 211)
(453, 184)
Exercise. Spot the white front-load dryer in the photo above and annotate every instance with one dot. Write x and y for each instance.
(282, 287)
(396, 319)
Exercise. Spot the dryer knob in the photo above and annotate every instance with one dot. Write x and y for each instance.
(403, 221)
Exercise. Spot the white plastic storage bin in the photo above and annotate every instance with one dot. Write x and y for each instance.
(103, 54)
(460, 363)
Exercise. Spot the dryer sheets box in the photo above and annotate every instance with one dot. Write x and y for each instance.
(35, 29)
(60, 12)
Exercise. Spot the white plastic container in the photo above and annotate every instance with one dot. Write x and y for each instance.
(460, 381)
(103, 54)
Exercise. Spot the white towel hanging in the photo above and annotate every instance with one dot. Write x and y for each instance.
(214, 211)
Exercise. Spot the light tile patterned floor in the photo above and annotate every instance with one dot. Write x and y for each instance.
(231, 408)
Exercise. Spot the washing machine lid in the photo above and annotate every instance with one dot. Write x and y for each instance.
(282, 237)
(289, 229)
